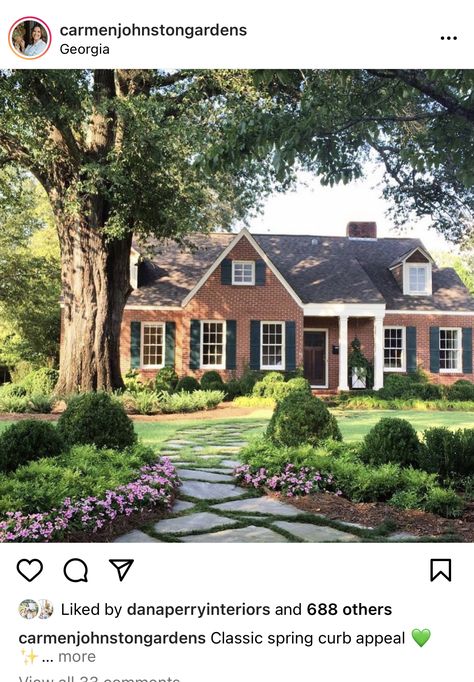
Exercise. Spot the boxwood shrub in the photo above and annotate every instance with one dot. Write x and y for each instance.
(26, 441)
(211, 381)
(391, 440)
(187, 385)
(98, 419)
(302, 418)
(449, 453)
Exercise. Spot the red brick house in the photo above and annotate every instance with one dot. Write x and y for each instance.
(278, 302)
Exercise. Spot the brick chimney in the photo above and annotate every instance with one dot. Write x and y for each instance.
(361, 230)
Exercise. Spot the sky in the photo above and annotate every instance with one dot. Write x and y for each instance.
(314, 209)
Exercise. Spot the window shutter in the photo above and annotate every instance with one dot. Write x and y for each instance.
(411, 349)
(260, 273)
(195, 344)
(231, 344)
(467, 350)
(135, 342)
(434, 350)
(290, 346)
(255, 344)
(170, 340)
(226, 271)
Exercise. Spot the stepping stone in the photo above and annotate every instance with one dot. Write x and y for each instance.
(135, 536)
(181, 505)
(210, 491)
(231, 463)
(192, 522)
(248, 534)
(262, 505)
(180, 442)
(310, 533)
(200, 475)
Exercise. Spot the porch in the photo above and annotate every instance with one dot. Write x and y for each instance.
(327, 343)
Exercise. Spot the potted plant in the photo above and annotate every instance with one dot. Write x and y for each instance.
(360, 369)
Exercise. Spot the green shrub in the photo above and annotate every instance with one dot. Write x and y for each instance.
(166, 380)
(460, 390)
(40, 381)
(253, 401)
(132, 381)
(391, 440)
(233, 389)
(396, 386)
(265, 388)
(84, 470)
(12, 390)
(407, 499)
(96, 418)
(187, 385)
(448, 453)
(26, 441)
(146, 402)
(302, 418)
(40, 403)
(248, 380)
(444, 502)
(190, 402)
(210, 380)
(14, 403)
(376, 483)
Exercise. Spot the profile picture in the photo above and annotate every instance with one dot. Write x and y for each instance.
(45, 609)
(28, 609)
(29, 37)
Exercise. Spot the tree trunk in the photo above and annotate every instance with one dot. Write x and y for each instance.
(95, 287)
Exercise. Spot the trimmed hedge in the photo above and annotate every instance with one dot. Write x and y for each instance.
(391, 440)
(302, 418)
(187, 385)
(26, 441)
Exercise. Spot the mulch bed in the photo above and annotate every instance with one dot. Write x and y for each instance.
(375, 513)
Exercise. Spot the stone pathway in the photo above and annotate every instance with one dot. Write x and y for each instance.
(211, 508)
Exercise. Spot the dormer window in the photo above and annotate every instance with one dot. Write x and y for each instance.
(418, 279)
(243, 272)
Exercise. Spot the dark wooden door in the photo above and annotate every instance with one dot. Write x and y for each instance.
(315, 358)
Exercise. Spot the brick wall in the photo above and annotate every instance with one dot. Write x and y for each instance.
(215, 301)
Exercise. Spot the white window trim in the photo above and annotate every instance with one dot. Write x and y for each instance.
(224, 345)
(406, 279)
(283, 346)
(326, 359)
(458, 369)
(142, 336)
(243, 262)
(403, 368)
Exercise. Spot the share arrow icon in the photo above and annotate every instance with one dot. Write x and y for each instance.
(122, 565)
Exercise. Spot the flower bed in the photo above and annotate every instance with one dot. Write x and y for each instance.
(154, 489)
(291, 481)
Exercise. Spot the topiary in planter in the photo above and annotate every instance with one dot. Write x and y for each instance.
(188, 385)
(211, 381)
(96, 418)
(302, 418)
(26, 441)
(392, 440)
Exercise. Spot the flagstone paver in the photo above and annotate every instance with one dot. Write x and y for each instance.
(136, 536)
(200, 475)
(182, 505)
(248, 534)
(312, 533)
(210, 491)
(185, 524)
(262, 505)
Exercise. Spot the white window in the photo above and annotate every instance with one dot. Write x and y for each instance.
(153, 345)
(272, 345)
(243, 272)
(417, 279)
(394, 350)
(213, 345)
(450, 350)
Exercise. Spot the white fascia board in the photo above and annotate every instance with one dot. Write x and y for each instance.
(152, 307)
(429, 312)
(240, 235)
(348, 309)
(416, 248)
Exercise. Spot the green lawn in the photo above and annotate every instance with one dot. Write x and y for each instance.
(354, 424)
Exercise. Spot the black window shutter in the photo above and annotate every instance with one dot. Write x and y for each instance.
(290, 346)
(231, 345)
(195, 344)
(411, 349)
(226, 271)
(434, 350)
(260, 272)
(170, 341)
(467, 350)
(255, 344)
(135, 341)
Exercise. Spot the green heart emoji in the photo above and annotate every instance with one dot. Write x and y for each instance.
(421, 636)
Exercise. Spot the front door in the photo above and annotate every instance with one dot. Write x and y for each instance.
(315, 357)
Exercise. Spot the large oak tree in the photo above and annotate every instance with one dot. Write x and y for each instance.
(118, 154)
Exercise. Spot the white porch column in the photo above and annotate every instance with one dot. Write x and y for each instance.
(343, 353)
(378, 351)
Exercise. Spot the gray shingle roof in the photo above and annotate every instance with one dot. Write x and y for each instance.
(319, 269)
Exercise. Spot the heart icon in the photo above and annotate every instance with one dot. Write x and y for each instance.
(421, 636)
(29, 569)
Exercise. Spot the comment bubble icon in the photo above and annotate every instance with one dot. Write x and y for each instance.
(76, 570)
